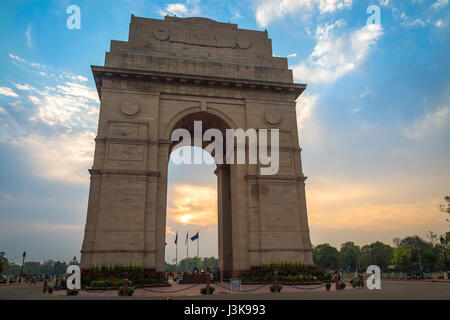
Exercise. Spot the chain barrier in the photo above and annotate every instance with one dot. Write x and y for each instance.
(98, 291)
(241, 290)
(158, 291)
(304, 288)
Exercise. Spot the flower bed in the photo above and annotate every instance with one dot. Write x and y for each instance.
(104, 278)
(288, 273)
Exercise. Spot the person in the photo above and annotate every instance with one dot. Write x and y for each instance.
(45, 287)
(337, 278)
(361, 278)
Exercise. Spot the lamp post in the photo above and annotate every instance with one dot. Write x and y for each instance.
(24, 254)
(445, 256)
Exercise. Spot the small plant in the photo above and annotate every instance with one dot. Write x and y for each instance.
(328, 286)
(342, 285)
(50, 290)
(211, 290)
(72, 292)
(272, 288)
(355, 283)
(130, 291)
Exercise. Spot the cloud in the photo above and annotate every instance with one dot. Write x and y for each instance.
(292, 55)
(440, 24)
(16, 58)
(24, 87)
(270, 10)
(305, 108)
(169, 231)
(411, 23)
(8, 92)
(343, 205)
(430, 121)
(28, 36)
(335, 56)
(439, 4)
(190, 8)
(26, 226)
(194, 205)
(64, 157)
(70, 105)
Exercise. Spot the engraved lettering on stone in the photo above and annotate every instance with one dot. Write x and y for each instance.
(202, 37)
(129, 152)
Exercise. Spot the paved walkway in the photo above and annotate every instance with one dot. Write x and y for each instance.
(390, 290)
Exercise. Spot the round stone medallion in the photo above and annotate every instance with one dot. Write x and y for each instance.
(243, 42)
(130, 109)
(161, 34)
(273, 118)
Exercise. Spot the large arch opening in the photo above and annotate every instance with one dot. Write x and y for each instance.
(199, 200)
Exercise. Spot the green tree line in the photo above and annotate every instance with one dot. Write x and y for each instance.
(35, 267)
(407, 254)
(189, 264)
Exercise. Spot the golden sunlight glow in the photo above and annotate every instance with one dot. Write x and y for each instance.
(196, 205)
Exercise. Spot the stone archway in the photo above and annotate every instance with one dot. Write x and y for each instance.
(170, 73)
(214, 120)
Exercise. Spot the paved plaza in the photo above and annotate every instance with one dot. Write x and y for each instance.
(390, 290)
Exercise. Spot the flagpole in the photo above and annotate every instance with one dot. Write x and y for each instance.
(187, 246)
(176, 253)
(198, 243)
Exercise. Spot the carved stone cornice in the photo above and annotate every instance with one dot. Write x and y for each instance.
(141, 77)
(94, 172)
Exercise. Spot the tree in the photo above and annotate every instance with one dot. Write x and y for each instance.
(376, 253)
(445, 207)
(382, 254)
(420, 253)
(4, 263)
(349, 255)
(326, 256)
(189, 264)
(402, 258)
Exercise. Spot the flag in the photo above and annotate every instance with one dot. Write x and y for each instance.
(187, 237)
(176, 238)
(195, 237)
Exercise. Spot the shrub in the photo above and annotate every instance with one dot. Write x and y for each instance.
(130, 291)
(342, 285)
(272, 288)
(328, 285)
(211, 290)
(72, 292)
(50, 290)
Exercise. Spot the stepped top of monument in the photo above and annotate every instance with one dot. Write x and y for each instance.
(198, 46)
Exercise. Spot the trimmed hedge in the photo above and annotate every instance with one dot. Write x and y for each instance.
(288, 273)
(112, 277)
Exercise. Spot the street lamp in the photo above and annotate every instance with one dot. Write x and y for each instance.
(445, 256)
(24, 254)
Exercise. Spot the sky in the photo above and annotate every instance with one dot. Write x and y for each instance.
(373, 122)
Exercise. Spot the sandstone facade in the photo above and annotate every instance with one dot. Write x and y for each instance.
(169, 73)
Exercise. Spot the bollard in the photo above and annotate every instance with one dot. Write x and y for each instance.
(125, 285)
(208, 280)
(275, 280)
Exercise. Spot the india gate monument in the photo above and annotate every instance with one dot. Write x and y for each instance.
(169, 74)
